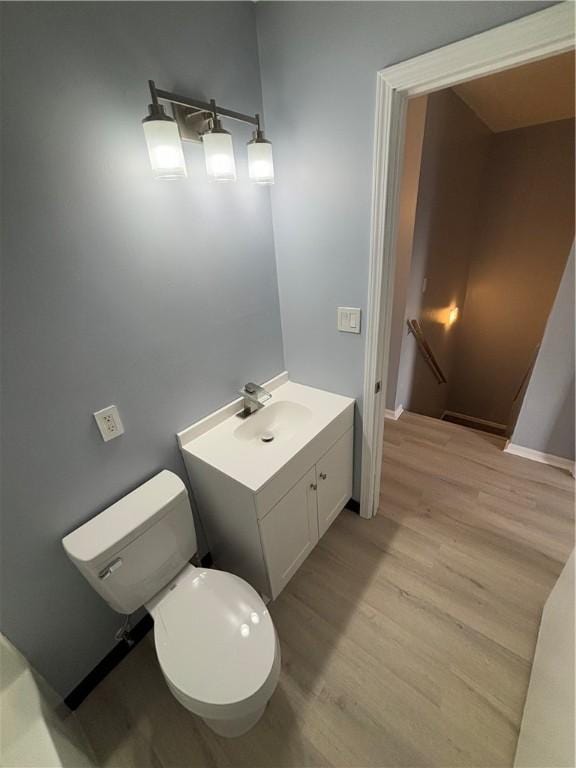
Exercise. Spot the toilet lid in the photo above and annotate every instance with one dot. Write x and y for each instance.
(214, 637)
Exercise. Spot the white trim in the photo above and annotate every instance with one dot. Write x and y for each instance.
(533, 37)
(217, 417)
(475, 419)
(543, 458)
(394, 415)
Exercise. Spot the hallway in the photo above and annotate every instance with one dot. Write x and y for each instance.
(406, 640)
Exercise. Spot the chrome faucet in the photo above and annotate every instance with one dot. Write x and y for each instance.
(254, 398)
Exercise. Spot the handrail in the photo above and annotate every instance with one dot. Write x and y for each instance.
(527, 374)
(415, 329)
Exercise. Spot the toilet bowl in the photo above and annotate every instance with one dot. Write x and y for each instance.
(215, 640)
(217, 618)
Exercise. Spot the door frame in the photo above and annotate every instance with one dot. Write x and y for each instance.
(538, 36)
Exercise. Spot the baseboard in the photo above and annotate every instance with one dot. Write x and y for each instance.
(543, 458)
(108, 663)
(475, 420)
(394, 415)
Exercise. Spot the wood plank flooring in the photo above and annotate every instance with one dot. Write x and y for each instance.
(406, 640)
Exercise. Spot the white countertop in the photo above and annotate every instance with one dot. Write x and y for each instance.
(294, 415)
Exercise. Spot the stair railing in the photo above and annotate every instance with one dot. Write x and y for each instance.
(527, 374)
(415, 329)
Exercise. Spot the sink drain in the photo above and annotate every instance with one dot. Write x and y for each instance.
(266, 437)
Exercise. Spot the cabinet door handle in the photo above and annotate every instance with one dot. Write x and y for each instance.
(323, 476)
(313, 486)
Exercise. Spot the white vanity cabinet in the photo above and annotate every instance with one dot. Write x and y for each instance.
(334, 481)
(292, 527)
(264, 505)
(289, 532)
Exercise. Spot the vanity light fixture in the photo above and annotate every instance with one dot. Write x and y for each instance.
(199, 121)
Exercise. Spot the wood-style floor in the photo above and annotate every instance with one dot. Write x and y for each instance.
(406, 640)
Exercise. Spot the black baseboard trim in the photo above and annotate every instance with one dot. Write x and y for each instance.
(353, 506)
(111, 660)
(206, 561)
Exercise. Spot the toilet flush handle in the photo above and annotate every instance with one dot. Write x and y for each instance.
(109, 570)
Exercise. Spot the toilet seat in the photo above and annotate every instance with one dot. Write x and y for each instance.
(216, 643)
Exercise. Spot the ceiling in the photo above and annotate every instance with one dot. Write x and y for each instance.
(540, 92)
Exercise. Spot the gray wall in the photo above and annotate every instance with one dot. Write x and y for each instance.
(546, 420)
(319, 62)
(454, 156)
(526, 214)
(158, 297)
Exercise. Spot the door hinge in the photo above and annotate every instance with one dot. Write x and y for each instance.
(378, 387)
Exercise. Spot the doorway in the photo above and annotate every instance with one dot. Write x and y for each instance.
(539, 36)
(486, 226)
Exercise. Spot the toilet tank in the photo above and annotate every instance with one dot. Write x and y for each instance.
(133, 549)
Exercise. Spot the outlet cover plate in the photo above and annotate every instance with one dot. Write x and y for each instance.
(349, 319)
(109, 423)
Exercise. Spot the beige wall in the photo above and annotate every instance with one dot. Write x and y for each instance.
(453, 158)
(522, 244)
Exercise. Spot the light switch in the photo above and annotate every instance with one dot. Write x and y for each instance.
(349, 319)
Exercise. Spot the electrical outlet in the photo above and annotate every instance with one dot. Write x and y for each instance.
(109, 423)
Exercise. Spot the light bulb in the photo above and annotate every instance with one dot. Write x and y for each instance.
(219, 154)
(260, 161)
(164, 145)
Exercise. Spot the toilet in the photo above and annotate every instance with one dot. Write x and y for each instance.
(215, 640)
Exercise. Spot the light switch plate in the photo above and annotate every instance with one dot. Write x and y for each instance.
(109, 423)
(349, 319)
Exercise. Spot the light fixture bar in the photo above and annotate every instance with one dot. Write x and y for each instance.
(200, 106)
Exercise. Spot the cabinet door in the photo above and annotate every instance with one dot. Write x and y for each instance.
(290, 531)
(334, 471)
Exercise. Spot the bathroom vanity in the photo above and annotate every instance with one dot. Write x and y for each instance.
(269, 486)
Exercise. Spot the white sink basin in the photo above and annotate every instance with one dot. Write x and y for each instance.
(280, 420)
(294, 417)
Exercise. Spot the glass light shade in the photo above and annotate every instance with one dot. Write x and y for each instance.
(219, 155)
(260, 162)
(165, 149)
